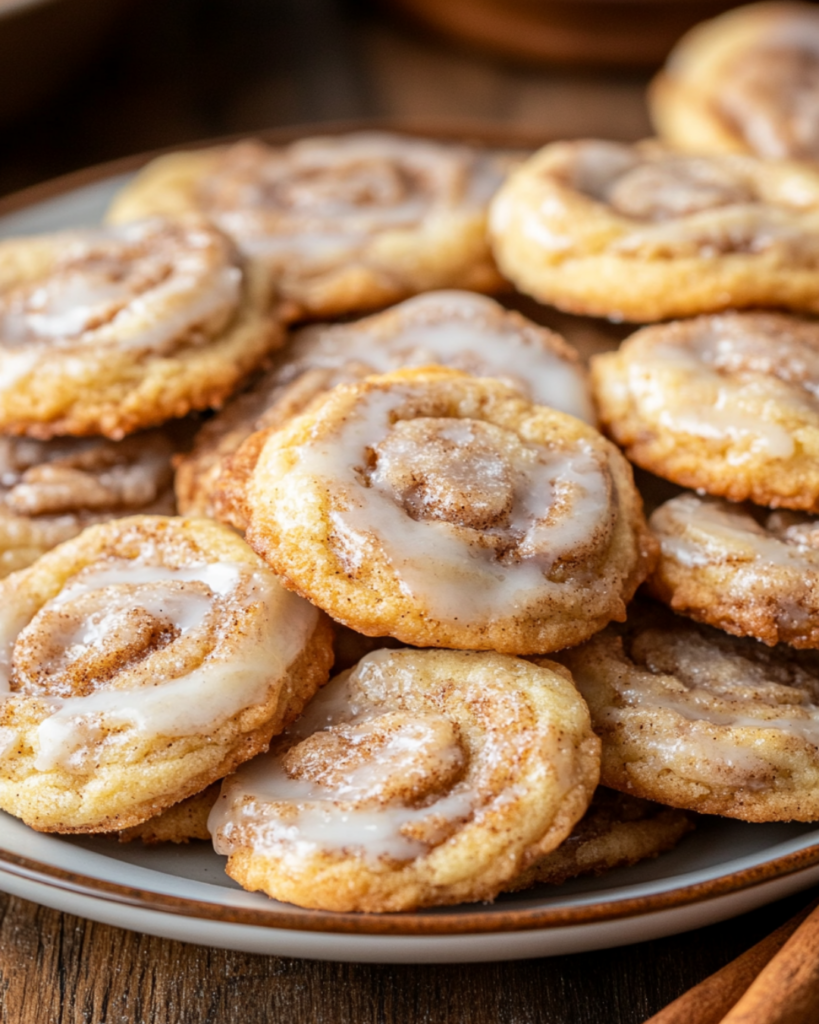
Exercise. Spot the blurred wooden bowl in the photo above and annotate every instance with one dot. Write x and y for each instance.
(613, 33)
(43, 43)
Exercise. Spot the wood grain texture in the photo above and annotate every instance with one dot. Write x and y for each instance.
(58, 969)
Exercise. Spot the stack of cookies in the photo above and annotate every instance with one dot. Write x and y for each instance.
(424, 496)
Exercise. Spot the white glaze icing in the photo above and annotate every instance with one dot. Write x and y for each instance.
(681, 206)
(708, 234)
(351, 812)
(459, 329)
(461, 577)
(712, 683)
(706, 531)
(674, 187)
(595, 165)
(408, 794)
(695, 751)
(768, 89)
(143, 286)
(742, 373)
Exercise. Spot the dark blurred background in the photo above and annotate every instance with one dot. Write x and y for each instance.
(83, 81)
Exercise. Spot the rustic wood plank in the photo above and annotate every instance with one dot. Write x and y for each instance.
(58, 969)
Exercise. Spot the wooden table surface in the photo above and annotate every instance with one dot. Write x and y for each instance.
(178, 71)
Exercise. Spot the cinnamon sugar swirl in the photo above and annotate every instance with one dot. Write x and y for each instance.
(616, 831)
(447, 511)
(139, 662)
(419, 778)
(744, 569)
(343, 223)
(108, 330)
(52, 490)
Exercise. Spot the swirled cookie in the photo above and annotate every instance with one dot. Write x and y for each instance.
(746, 82)
(447, 511)
(139, 662)
(640, 233)
(343, 223)
(109, 330)
(616, 831)
(744, 569)
(460, 329)
(726, 404)
(52, 490)
(697, 719)
(419, 778)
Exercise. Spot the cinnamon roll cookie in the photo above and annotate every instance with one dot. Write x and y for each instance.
(747, 570)
(726, 404)
(139, 662)
(746, 82)
(697, 719)
(460, 329)
(108, 330)
(447, 511)
(616, 831)
(640, 233)
(52, 490)
(419, 778)
(343, 223)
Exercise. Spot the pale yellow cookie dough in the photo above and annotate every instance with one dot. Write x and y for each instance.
(109, 330)
(745, 82)
(744, 569)
(141, 661)
(419, 778)
(447, 511)
(617, 831)
(694, 718)
(469, 332)
(52, 490)
(641, 233)
(726, 404)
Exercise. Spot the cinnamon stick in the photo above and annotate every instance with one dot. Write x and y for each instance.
(708, 1002)
(787, 990)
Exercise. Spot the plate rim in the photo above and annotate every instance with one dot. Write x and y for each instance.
(397, 924)
(410, 923)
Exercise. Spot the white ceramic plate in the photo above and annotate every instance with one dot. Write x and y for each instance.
(723, 869)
